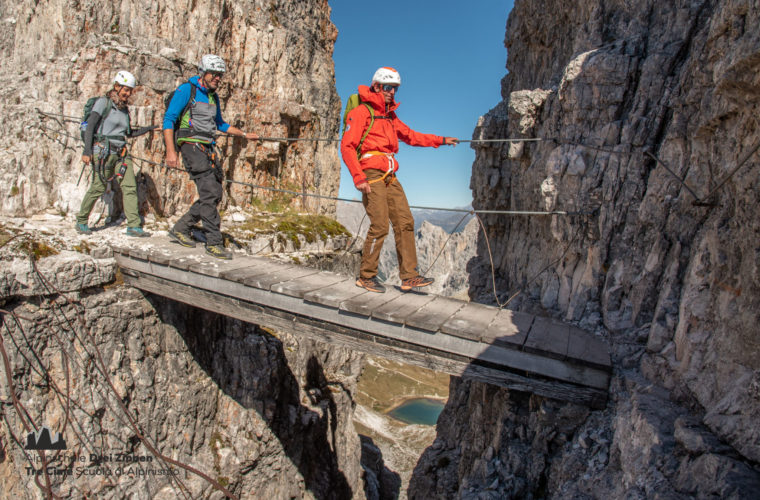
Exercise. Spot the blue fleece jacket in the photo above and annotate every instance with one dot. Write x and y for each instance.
(179, 101)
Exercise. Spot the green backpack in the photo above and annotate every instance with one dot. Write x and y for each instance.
(86, 117)
(354, 101)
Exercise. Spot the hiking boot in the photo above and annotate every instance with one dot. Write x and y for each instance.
(219, 252)
(83, 229)
(416, 282)
(138, 232)
(112, 221)
(371, 284)
(183, 239)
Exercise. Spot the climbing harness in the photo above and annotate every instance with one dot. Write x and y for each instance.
(389, 171)
(102, 141)
(123, 167)
(99, 167)
(210, 151)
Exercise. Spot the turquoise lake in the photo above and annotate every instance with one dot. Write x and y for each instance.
(422, 411)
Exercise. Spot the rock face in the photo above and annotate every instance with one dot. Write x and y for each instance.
(623, 91)
(264, 414)
(280, 83)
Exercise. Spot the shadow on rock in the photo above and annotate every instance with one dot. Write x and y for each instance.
(379, 481)
(148, 195)
(249, 365)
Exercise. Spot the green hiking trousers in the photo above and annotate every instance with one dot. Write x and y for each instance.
(97, 187)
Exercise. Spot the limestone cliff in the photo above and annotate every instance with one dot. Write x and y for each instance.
(260, 413)
(621, 92)
(280, 83)
(139, 385)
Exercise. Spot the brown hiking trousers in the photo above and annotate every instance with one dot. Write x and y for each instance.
(387, 202)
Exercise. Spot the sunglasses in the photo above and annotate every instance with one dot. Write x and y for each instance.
(387, 88)
(216, 74)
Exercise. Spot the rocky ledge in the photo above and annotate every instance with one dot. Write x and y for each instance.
(171, 388)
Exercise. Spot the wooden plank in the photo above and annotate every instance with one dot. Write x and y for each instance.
(265, 281)
(177, 249)
(364, 342)
(160, 256)
(400, 308)
(185, 261)
(215, 267)
(588, 348)
(471, 321)
(587, 396)
(432, 315)
(333, 295)
(139, 253)
(120, 248)
(258, 266)
(548, 338)
(366, 303)
(164, 251)
(510, 359)
(301, 286)
(508, 329)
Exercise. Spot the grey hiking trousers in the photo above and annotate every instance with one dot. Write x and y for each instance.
(208, 181)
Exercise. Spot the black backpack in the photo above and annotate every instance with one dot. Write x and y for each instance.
(168, 100)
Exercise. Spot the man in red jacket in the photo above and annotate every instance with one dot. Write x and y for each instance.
(370, 157)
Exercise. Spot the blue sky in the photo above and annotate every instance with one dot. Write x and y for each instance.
(451, 57)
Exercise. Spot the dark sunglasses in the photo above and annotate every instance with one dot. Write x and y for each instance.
(215, 74)
(387, 88)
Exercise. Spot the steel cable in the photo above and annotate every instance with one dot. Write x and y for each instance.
(103, 372)
(48, 286)
(559, 141)
(135, 428)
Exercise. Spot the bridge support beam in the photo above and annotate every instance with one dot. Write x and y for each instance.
(480, 368)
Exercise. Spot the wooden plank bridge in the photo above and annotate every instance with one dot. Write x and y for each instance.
(507, 348)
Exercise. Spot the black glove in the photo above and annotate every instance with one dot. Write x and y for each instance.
(142, 130)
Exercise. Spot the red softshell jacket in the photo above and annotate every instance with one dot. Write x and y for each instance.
(382, 137)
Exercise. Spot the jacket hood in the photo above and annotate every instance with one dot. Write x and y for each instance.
(196, 80)
(376, 99)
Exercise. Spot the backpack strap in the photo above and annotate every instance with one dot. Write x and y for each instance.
(106, 110)
(218, 103)
(189, 102)
(181, 116)
(366, 131)
(129, 121)
(109, 106)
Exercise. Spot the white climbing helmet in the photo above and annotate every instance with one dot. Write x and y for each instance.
(211, 62)
(125, 78)
(387, 75)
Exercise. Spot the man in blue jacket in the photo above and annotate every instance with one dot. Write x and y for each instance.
(196, 114)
